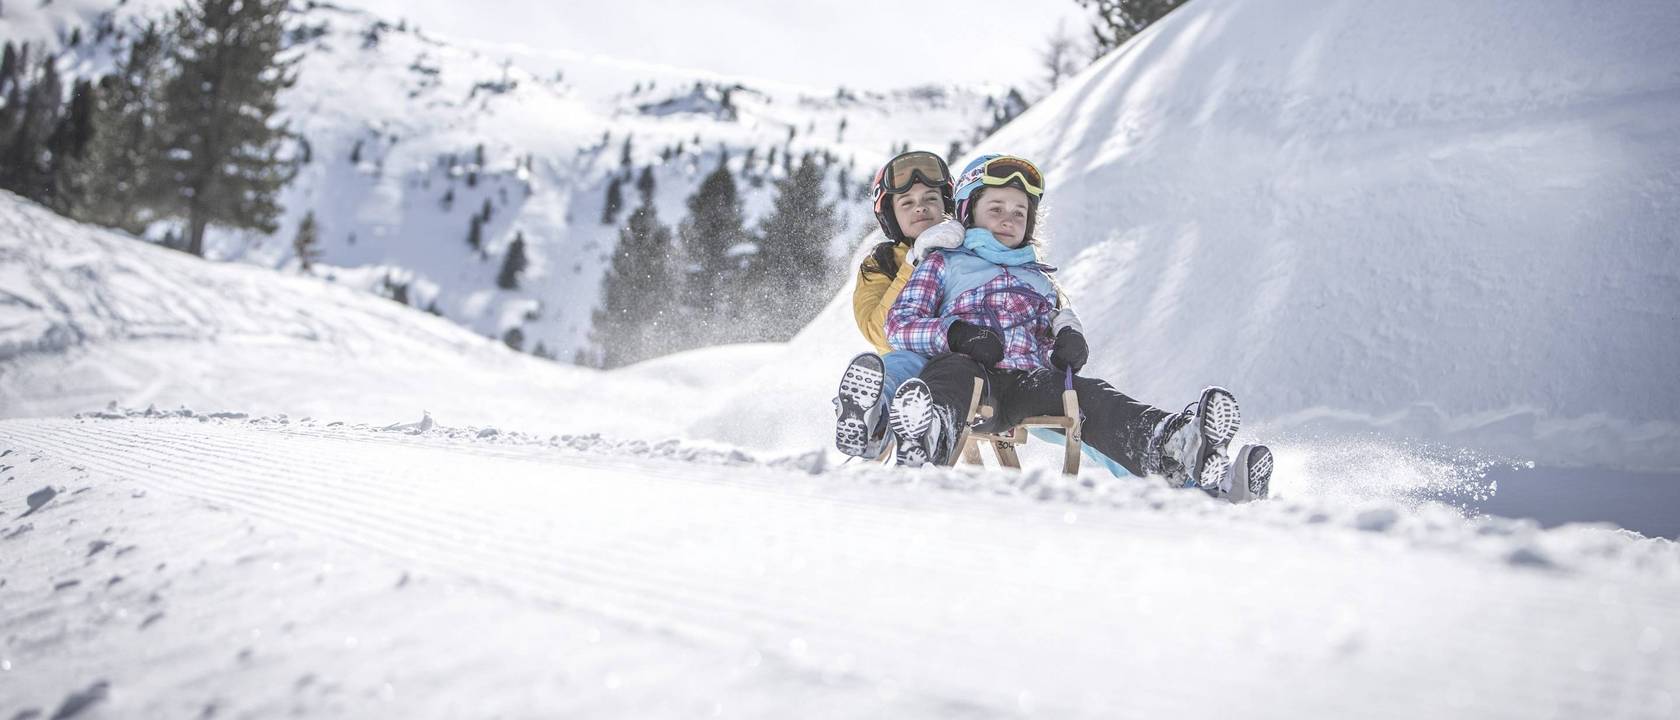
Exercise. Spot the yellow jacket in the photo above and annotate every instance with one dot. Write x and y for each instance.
(875, 293)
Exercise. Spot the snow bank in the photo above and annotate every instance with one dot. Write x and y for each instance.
(89, 316)
(1454, 223)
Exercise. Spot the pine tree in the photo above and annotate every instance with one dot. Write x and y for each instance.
(370, 36)
(513, 265)
(1011, 107)
(1118, 20)
(1057, 57)
(307, 243)
(475, 233)
(121, 179)
(614, 203)
(792, 270)
(645, 185)
(68, 146)
(10, 65)
(636, 318)
(224, 153)
(397, 291)
(713, 228)
(25, 161)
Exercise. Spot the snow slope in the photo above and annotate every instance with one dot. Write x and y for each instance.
(1455, 224)
(349, 571)
(395, 121)
(670, 539)
(304, 539)
(89, 317)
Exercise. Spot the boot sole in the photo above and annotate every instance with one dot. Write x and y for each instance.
(912, 414)
(1254, 466)
(860, 391)
(1260, 472)
(1218, 418)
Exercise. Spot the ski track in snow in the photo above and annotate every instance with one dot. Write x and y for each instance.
(505, 576)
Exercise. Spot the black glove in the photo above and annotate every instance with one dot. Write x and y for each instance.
(1071, 350)
(976, 342)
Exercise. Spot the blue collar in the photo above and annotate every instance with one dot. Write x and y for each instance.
(982, 242)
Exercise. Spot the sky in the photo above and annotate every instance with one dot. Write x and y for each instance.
(821, 43)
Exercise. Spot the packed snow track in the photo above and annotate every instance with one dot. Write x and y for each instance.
(265, 567)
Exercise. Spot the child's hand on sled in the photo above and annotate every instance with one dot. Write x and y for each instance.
(1070, 352)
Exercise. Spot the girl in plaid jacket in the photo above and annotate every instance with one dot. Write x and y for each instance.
(991, 310)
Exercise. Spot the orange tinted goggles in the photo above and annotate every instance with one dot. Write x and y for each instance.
(1008, 169)
(910, 168)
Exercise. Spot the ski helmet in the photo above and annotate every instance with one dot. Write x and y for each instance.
(994, 170)
(916, 166)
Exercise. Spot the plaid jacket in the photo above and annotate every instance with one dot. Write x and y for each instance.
(1007, 302)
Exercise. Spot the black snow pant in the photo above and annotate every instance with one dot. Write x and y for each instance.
(1116, 425)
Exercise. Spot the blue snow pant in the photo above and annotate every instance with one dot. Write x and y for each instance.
(900, 365)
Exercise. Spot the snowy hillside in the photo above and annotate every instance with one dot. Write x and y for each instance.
(409, 137)
(89, 317)
(1455, 224)
(1418, 245)
(300, 539)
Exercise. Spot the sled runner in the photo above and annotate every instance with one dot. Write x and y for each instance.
(981, 427)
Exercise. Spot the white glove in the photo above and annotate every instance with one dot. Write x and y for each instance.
(944, 236)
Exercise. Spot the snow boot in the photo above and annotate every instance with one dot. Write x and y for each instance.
(1189, 447)
(1249, 477)
(858, 428)
(925, 430)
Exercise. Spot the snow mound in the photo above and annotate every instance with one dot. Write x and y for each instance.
(89, 316)
(1453, 224)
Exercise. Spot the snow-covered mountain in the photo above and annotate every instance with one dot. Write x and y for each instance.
(408, 137)
(1455, 224)
(91, 316)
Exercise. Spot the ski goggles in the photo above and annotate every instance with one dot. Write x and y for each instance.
(1007, 170)
(917, 166)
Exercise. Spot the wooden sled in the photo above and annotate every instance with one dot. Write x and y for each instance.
(978, 430)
